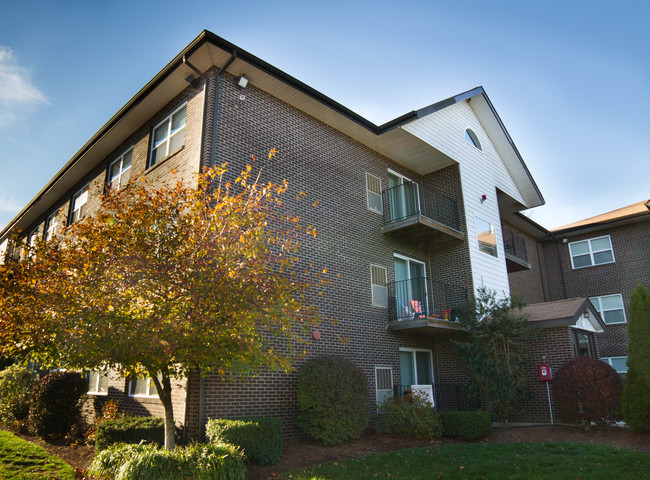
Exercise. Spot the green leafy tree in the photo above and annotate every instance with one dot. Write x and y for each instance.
(163, 280)
(494, 354)
(636, 390)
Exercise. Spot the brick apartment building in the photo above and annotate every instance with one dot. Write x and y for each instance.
(414, 215)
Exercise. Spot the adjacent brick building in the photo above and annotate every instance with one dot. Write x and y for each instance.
(413, 216)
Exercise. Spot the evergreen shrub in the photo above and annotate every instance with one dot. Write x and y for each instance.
(130, 430)
(409, 415)
(260, 438)
(587, 390)
(332, 400)
(469, 425)
(56, 404)
(16, 385)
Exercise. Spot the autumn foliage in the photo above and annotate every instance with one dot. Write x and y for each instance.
(164, 280)
(587, 390)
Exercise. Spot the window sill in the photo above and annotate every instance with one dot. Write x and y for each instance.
(164, 160)
(592, 266)
(100, 394)
(146, 398)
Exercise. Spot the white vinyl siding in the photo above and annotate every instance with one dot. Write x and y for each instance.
(383, 384)
(610, 308)
(594, 251)
(168, 136)
(481, 173)
(378, 280)
(373, 192)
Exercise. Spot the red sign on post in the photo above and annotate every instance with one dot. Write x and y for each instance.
(545, 374)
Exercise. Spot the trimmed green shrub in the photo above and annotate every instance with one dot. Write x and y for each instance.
(130, 430)
(148, 462)
(587, 390)
(260, 438)
(469, 425)
(636, 402)
(410, 415)
(636, 392)
(56, 404)
(332, 400)
(16, 385)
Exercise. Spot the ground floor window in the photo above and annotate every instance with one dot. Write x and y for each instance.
(142, 387)
(584, 343)
(618, 363)
(97, 383)
(384, 383)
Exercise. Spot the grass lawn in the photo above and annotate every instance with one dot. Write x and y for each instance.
(20, 460)
(490, 461)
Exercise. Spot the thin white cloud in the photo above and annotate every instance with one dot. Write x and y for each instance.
(17, 93)
(9, 205)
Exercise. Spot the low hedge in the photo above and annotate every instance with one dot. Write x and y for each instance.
(409, 415)
(130, 430)
(469, 425)
(260, 438)
(148, 462)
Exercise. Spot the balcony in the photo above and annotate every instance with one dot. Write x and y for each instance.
(420, 214)
(514, 245)
(426, 306)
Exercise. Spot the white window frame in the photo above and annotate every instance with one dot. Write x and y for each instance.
(599, 307)
(591, 252)
(376, 287)
(94, 389)
(120, 160)
(81, 193)
(150, 388)
(414, 365)
(30, 242)
(51, 223)
(609, 360)
(383, 394)
(168, 137)
(472, 138)
(410, 293)
(370, 193)
(405, 179)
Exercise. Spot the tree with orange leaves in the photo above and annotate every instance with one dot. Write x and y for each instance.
(163, 280)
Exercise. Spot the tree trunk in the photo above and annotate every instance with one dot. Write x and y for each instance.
(164, 387)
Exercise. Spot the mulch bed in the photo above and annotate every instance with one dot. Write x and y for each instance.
(301, 453)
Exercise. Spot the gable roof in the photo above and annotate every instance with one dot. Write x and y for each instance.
(209, 50)
(564, 313)
(635, 212)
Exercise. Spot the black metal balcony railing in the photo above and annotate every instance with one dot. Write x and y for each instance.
(514, 243)
(412, 198)
(423, 297)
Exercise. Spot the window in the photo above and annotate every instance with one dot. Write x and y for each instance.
(472, 139)
(487, 237)
(610, 308)
(416, 367)
(403, 197)
(97, 383)
(51, 225)
(594, 251)
(378, 279)
(168, 136)
(373, 192)
(618, 363)
(142, 387)
(31, 241)
(410, 288)
(584, 344)
(119, 171)
(384, 384)
(79, 201)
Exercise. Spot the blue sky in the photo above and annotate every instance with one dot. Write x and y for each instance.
(569, 79)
